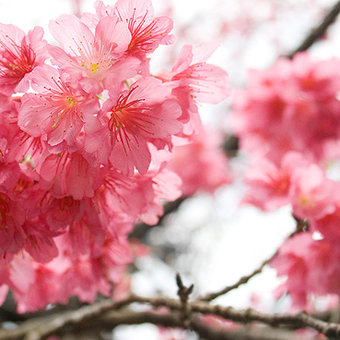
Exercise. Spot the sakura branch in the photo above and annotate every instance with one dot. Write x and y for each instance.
(319, 30)
(110, 313)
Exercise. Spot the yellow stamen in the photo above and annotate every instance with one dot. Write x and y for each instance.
(70, 101)
(94, 68)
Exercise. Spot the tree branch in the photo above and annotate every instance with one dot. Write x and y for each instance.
(40, 329)
(301, 226)
(113, 319)
(183, 293)
(206, 331)
(318, 31)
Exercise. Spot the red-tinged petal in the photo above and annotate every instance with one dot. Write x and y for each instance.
(19, 55)
(120, 71)
(10, 31)
(3, 293)
(126, 155)
(114, 34)
(184, 60)
(208, 83)
(165, 121)
(73, 35)
(41, 248)
(22, 267)
(34, 117)
(60, 57)
(136, 8)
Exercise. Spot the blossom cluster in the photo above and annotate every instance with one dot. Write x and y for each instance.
(82, 125)
(201, 164)
(289, 118)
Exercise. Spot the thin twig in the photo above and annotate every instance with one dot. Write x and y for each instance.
(36, 329)
(183, 293)
(317, 33)
(299, 320)
(205, 330)
(40, 329)
(301, 226)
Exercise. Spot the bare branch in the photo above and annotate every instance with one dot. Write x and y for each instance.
(299, 320)
(183, 293)
(210, 332)
(301, 226)
(40, 329)
(318, 31)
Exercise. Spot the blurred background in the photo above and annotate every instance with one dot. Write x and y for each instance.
(211, 239)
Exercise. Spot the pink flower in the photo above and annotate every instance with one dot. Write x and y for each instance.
(147, 32)
(69, 174)
(12, 217)
(39, 287)
(135, 117)
(201, 164)
(82, 146)
(207, 83)
(39, 242)
(195, 80)
(312, 194)
(268, 185)
(166, 185)
(297, 181)
(328, 225)
(298, 100)
(94, 270)
(310, 267)
(90, 55)
(60, 213)
(19, 55)
(120, 200)
(57, 112)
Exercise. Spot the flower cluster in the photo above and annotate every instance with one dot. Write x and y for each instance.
(200, 163)
(290, 120)
(293, 106)
(81, 127)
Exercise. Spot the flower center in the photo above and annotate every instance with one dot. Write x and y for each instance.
(70, 101)
(94, 68)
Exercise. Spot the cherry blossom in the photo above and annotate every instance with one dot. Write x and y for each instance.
(84, 128)
(20, 54)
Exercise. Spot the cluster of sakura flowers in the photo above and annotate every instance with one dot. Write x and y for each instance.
(86, 134)
(289, 119)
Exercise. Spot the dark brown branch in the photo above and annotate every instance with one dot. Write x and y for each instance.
(204, 330)
(318, 31)
(245, 333)
(183, 293)
(207, 331)
(40, 329)
(298, 320)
